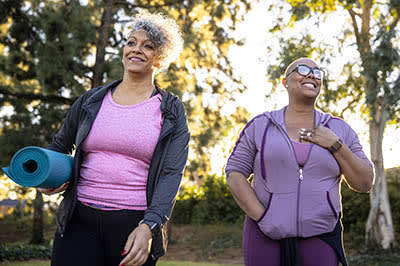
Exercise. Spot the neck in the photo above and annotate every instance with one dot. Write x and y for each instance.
(138, 84)
(300, 110)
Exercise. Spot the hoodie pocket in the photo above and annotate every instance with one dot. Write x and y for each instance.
(279, 218)
(318, 213)
(331, 205)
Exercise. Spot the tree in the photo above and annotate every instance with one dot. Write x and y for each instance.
(373, 26)
(46, 62)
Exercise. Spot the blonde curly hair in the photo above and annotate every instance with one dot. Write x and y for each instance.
(163, 32)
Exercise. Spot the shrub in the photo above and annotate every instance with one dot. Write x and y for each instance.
(12, 252)
(213, 203)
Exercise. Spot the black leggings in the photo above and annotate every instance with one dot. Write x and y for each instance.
(95, 237)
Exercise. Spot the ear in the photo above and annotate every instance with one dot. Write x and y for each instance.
(156, 62)
(284, 82)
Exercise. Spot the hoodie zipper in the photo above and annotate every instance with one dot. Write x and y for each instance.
(300, 177)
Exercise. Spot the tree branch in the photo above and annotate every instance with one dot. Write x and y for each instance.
(355, 26)
(6, 94)
(355, 100)
(394, 23)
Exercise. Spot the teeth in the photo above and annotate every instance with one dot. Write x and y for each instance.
(309, 85)
(135, 59)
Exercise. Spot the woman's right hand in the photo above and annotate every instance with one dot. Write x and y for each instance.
(51, 191)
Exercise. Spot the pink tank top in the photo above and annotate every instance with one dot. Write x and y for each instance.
(302, 150)
(117, 154)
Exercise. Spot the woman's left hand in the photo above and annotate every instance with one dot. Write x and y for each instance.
(137, 247)
(322, 136)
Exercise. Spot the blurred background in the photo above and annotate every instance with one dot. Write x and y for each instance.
(234, 57)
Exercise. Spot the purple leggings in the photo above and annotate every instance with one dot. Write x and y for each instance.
(259, 250)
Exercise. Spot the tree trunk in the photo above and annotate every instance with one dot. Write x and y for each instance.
(37, 228)
(379, 227)
(102, 39)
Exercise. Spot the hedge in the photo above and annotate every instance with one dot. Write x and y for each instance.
(13, 252)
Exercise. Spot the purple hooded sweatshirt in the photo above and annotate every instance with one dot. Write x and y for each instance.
(299, 202)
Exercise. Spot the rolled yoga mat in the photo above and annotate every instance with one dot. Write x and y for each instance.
(38, 167)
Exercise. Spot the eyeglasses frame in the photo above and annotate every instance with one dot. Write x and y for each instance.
(311, 71)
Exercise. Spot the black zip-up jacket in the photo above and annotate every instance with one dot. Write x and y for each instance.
(166, 167)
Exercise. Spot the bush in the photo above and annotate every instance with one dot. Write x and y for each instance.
(12, 252)
(212, 204)
(356, 209)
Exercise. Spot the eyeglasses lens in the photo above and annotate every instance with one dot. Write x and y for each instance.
(305, 70)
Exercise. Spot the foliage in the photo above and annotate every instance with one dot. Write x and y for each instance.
(213, 205)
(356, 208)
(12, 252)
(46, 61)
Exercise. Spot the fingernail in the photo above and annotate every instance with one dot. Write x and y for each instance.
(122, 264)
(123, 253)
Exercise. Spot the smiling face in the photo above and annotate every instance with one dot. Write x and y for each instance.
(139, 54)
(302, 86)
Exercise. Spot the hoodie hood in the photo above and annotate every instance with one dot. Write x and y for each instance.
(278, 117)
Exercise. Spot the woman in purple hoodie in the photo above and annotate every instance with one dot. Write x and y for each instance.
(298, 156)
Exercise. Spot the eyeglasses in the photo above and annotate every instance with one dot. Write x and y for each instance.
(305, 70)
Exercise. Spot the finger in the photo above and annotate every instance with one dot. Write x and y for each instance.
(133, 258)
(128, 251)
(62, 187)
(46, 191)
(138, 260)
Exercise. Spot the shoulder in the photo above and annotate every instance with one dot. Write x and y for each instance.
(256, 124)
(343, 130)
(95, 94)
(171, 103)
(338, 123)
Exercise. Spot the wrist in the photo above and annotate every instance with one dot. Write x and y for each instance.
(336, 146)
(152, 226)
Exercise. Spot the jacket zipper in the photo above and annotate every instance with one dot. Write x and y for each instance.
(298, 200)
(301, 176)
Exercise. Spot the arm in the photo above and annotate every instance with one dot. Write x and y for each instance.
(358, 173)
(244, 195)
(353, 163)
(166, 188)
(239, 167)
(64, 140)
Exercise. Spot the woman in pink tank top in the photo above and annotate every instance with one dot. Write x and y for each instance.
(131, 146)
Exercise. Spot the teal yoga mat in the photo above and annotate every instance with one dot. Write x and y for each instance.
(38, 167)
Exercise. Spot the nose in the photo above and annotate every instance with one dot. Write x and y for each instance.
(136, 49)
(311, 75)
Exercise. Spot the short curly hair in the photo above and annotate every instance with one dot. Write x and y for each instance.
(163, 32)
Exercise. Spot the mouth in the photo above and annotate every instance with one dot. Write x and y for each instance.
(309, 85)
(135, 59)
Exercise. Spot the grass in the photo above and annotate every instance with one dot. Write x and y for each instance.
(161, 263)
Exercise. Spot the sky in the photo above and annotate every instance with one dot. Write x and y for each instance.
(252, 59)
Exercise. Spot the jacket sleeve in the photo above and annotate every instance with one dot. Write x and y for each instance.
(64, 140)
(170, 178)
(353, 142)
(242, 157)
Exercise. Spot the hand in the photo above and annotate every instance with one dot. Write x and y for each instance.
(322, 136)
(137, 247)
(51, 191)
